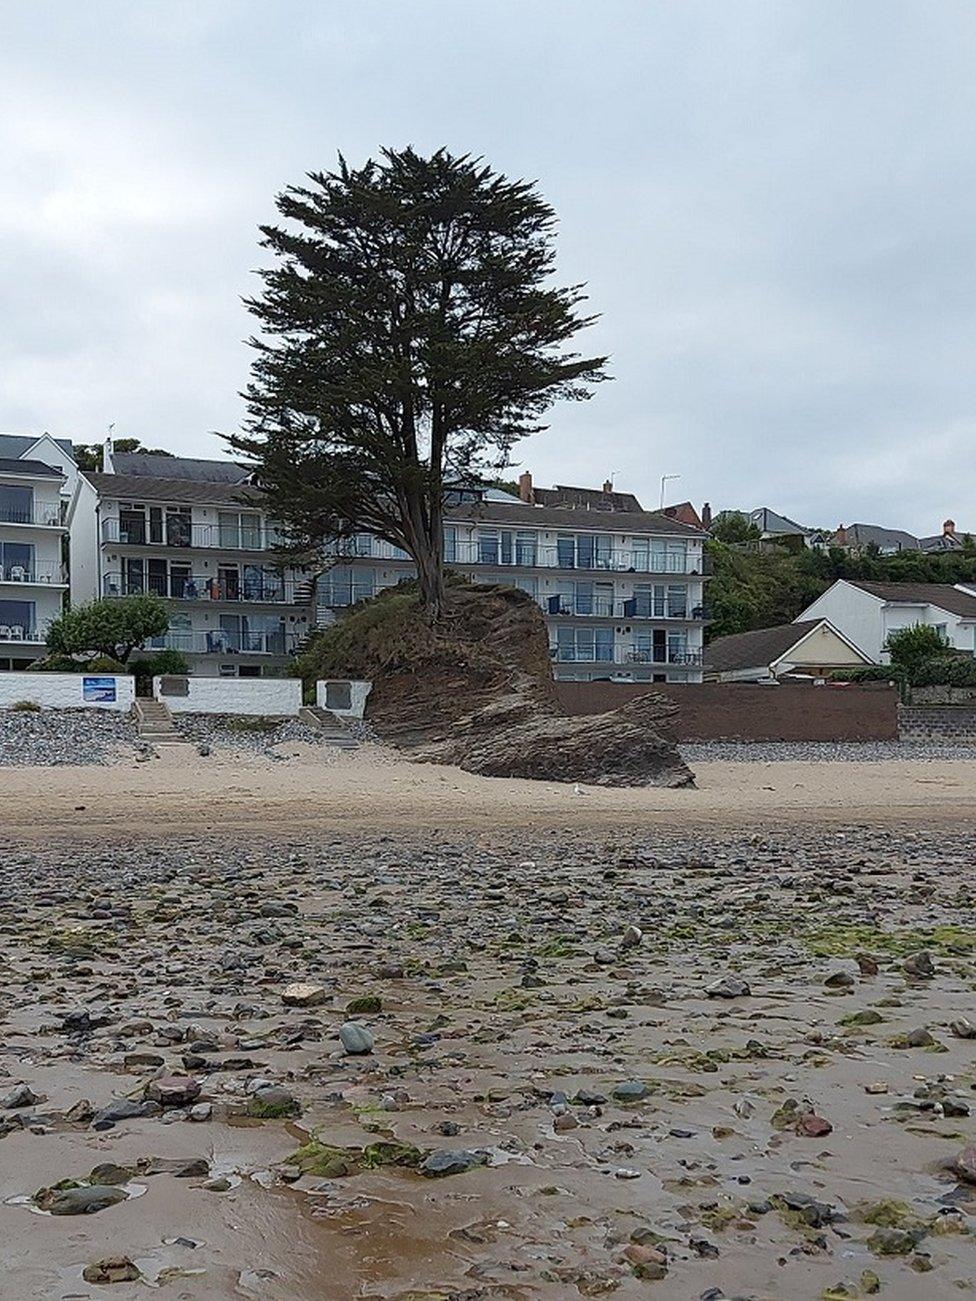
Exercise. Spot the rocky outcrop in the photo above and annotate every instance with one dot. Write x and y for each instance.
(477, 691)
(620, 748)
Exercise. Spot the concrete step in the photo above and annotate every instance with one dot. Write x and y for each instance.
(333, 729)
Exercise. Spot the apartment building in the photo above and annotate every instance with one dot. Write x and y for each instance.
(621, 588)
(34, 476)
(195, 533)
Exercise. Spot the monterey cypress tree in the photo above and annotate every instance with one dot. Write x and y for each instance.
(410, 334)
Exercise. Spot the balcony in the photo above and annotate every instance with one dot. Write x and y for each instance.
(17, 632)
(527, 556)
(634, 608)
(176, 531)
(268, 589)
(48, 572)
(588, 655)
(221, 642)
(41, 514)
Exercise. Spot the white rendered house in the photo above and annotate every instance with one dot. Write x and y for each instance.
(868, 613)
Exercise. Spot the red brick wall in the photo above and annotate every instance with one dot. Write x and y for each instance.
(717, 711)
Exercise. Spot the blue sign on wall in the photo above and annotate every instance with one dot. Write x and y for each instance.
(98, 690)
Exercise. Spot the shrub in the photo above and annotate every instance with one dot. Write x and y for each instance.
(914, 646)
(163, 662)
(870, 673)
(112, 627)
(946, 671)
(26, 707)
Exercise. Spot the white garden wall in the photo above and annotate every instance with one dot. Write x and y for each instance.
(68, 690)
(273, 697)
(334, 693)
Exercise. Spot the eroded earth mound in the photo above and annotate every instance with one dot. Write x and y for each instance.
(477, 691)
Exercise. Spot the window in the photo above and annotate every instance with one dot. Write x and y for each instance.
(677, 601)
(584, 551)
(488, 548)
(178, 526)
(526, 548)
(346, 585)
(239, 530)
(584, 645)
(133, 576)
(16, 561)
(17, 620)
(450, 544)
(132, 525)
(16, 504)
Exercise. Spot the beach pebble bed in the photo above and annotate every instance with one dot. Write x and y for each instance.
(65, 736)
(821, 752)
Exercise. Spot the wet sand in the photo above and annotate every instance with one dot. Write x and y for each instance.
(489, 919)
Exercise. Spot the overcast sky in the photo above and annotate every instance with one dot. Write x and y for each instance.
(773, 204)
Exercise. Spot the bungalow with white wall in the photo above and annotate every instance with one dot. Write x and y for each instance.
(810, 648)
(868, 613)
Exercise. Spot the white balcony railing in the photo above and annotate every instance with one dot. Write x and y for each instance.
(221, 642)
(47, 515)
(39, 572)
(632, 655)
(177, 531)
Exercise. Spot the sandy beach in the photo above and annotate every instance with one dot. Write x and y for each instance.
(373, 789)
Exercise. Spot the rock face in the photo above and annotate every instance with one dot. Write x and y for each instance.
(478, 692)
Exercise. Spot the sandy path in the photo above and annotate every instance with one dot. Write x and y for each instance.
(373, 790)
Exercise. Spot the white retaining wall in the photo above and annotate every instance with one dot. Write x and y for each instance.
(268, 696)
(68, 690)
(358, 692)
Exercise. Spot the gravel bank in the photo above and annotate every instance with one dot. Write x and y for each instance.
(248, 735)
(822, 752)
(62, 737)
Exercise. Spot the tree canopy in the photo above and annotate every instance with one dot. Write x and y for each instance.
(411, 333)
(112, 627)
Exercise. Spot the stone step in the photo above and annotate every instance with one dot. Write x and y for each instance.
(334, 731)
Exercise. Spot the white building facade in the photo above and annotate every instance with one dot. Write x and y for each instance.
(622, 591)
(195, 534)
(868, 613)
(34, 474)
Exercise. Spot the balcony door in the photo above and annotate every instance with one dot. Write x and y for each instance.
(16, 504)
(17, 621)
(16, 561)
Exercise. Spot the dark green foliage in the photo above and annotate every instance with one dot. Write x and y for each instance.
(412, 333)
(912, 647)
(945, 671)
(110, 627)
(870, 673)
(757, 589)
(732, 526)
(66, 664)
(88, 456)
(163, 662)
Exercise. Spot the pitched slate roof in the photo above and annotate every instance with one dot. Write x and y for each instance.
(866, 535)
(758, 649)
(586, 498)
(568, 518)
(134, 487)
(942, 595)
(151, 466)
(770, 522)
(30, 469)
(15, 445)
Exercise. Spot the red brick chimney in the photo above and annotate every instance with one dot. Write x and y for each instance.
(525, 488)
(840, 537)
(949, 528)
(608, 486)
(706, 515)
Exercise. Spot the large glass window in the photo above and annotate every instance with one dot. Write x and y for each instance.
(132, 525)
(16, 561)
(17, 620)
(584, 645)
(489, 551)
(16, 504)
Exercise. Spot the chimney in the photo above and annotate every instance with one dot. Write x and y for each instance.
(840, 537)
(706, 515)
(949, 528)
(525, 488)
(608, 486)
